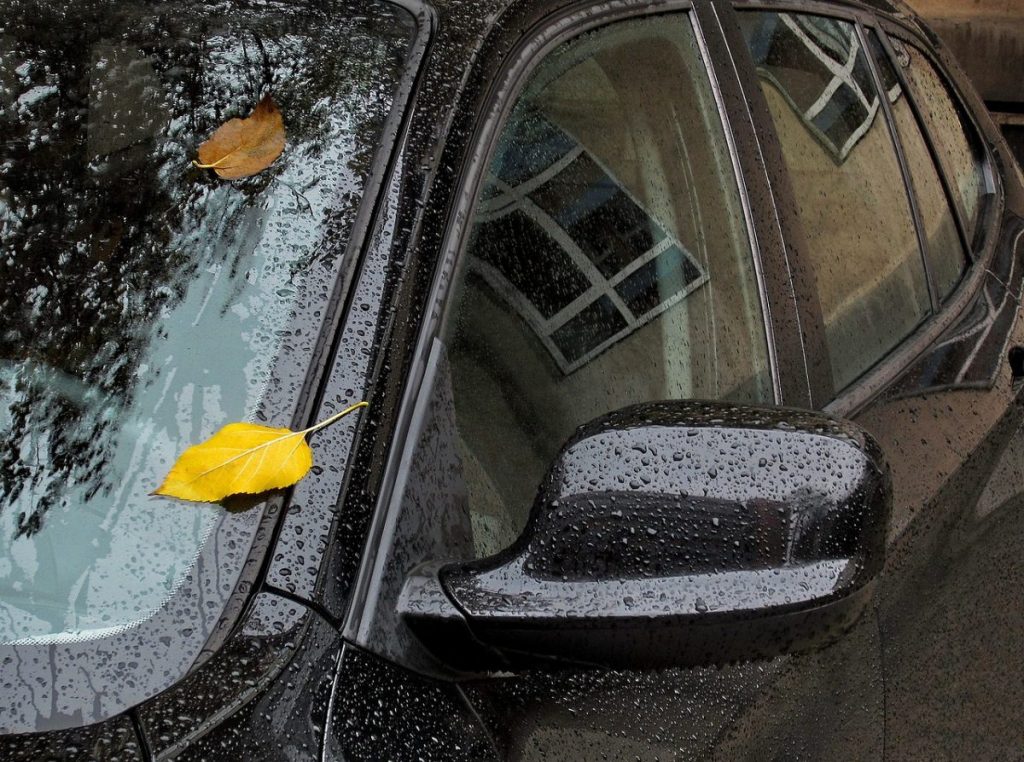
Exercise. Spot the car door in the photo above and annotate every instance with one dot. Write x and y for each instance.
(927, 372)
(621, 243)
(951, 614)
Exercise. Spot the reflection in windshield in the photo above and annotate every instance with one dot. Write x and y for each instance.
(145, 302)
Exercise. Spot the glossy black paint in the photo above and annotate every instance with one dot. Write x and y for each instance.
(266, 691)
(381, 712)
(674, 533)
(114, 740)
(749, 710)
(830, 704)
(312, 514)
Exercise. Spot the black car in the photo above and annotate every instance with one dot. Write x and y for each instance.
(689, 332)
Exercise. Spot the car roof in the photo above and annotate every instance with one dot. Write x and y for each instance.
(492, 11)
(461, 29)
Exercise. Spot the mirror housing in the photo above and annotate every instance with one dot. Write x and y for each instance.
(670, 534)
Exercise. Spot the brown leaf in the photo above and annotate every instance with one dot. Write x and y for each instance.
(243, 147)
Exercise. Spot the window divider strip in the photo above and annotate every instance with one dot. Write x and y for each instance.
(908, 180)
(952, 197)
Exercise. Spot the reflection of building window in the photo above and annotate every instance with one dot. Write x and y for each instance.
(564, 243)
(817, 66)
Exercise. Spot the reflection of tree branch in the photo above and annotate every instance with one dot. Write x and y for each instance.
(269, 78)
(298, 195)
(99, 232)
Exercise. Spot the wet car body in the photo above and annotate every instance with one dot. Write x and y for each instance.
(301, 664)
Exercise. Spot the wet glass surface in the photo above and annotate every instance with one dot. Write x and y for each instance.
(958, 146)
(850, 195)
(146, 303)
(608, 264)
(945, 251)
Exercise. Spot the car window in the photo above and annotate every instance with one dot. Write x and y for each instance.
(608, 264)
(861, 241)
(945, 250)
(960, 149)
(145, 302)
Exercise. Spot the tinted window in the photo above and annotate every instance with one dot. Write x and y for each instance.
(945, 250)
(849, 189)
(960, 149)
(145, 303)
(608, 264)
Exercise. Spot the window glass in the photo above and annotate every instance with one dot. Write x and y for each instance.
(145, 303)
(945, 250)
(849, 189)
(960, 150)
(608, 264)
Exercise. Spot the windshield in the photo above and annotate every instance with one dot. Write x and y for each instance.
(145, 302)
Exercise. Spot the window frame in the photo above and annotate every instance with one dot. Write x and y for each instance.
(517, 69)
(487, 112)
(908, 178)
(855, 396)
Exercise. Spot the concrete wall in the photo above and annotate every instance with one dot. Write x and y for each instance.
(967, 8)
(987, 37)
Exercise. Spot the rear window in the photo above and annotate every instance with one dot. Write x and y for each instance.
(146, 303)
(959, 147)
(944, 250)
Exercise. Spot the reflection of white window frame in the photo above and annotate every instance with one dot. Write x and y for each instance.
(516, 198)
(842, 76)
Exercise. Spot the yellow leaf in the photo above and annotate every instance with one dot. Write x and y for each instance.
(243, 458)
(243, 147)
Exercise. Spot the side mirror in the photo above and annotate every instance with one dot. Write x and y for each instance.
(673, 533)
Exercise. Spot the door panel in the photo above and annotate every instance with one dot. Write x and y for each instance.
(824, 705)
(949, 605)
(609, 261)
(951, 427)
